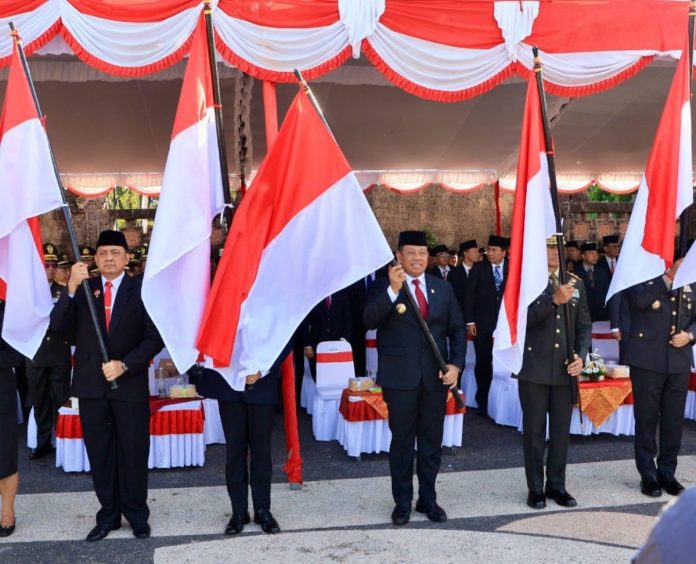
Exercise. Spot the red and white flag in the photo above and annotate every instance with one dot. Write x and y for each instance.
(303, 231)
(28, 188)
(176, 282)
(533, 221)
(664, 192)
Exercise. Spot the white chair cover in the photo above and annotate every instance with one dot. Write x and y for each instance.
(603, 342)
(690, 409)
(371, 352)
(308, 390)
(334, 369)
(503, 398)
(621, 422)
(469, 386)
(212, 429)
(32, 429)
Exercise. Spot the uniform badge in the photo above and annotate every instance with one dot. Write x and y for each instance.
(656, 305)
(576, 294)
(400, 308)
(687, 288)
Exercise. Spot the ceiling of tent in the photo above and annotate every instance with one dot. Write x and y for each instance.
(118, 125)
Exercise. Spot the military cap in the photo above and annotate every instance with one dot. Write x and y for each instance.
(50, 252)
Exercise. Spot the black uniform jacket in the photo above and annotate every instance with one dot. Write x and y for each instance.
(482, 298)
(654, 317)
(132, 338)
(404, 355)
(55, 347)
(545, 352)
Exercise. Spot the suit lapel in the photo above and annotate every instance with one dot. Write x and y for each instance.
(122, 297)
(98, 299)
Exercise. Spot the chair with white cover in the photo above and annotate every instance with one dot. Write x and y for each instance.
(503, 399)
(334, 369)
(604, 342)
(371, 352)
(309, 389)
(468, 385)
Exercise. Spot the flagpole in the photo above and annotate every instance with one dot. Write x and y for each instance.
(66, 210)
(226, 219)
(684, 217)
(407, 293)
(563, 275)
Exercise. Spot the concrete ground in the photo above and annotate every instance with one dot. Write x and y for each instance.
(342, 514)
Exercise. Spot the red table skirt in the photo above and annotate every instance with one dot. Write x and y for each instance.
(692, 382)
(68, 427)
(356, 411)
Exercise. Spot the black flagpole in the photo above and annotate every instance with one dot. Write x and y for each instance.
(406, 291)
(217, 100)
(684, 217)
(563, 275)
(66, 210)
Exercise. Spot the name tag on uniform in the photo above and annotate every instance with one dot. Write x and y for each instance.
(576, 294)
(687, 288)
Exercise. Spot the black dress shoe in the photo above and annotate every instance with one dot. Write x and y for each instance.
(650, 487)
(401, 515)
(101, 532)
(561, 497)
(268, 523)
(670, 484)
(6, 531)
(38, 453)
(236, 523)
(536, 500)
(141, 531)
(432, 511)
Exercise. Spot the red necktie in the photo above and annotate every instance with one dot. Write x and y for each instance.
(420, 298)
(107, 303)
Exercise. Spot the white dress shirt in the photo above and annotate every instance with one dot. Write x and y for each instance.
(412, 287)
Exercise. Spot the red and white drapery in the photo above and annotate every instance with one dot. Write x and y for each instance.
(443, 50)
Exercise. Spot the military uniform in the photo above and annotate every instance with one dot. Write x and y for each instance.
(659, 373)
(544, 384)
(48, 374)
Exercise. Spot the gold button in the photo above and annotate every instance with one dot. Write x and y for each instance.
(48, 338)
(674, 299)
(529, 348)
(556, 346)
(674, 313)
(640, 334)
(558, 330)
(558, 316)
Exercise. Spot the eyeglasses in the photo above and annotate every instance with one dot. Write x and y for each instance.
(51, 265)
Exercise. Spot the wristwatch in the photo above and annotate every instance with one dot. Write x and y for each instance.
(125, 368)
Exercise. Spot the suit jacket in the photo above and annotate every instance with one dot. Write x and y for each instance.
(404, 355)
(211, 384)
(55, 347)
(132, 338)
(482, 301)
(653, 310)
(328, 324)
(460, 281)
(9, 358)
(545, 349)
(435, 271)
(596, 290)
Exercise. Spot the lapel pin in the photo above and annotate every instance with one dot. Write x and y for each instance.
(432, 291)
(400, 308)
(97, 293)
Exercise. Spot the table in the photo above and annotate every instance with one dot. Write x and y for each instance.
(363, 423)
(176, 436)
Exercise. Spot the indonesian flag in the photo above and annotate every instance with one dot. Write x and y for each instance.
(533, 221)
(664, 192)
(303, 231)
(177, 278)
(28, 188)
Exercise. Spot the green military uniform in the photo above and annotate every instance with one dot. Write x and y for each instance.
(544, 384)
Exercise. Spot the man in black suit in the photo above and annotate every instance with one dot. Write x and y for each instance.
(459, 277)
(611, 246)
(573, 261)
(596, 281)
(329, 320)
(659, 347)
(483, 296)
(544, 383)
(115, 422)
(357, 293)
(414, 388)
(48, 373)
(441, 268)
(247, 421)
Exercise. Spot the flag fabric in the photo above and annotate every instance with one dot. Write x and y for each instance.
(665, 191)
(533, 221)
(28, 188)
(303, 231)
(176, 282)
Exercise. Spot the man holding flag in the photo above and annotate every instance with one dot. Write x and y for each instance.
(662, 316)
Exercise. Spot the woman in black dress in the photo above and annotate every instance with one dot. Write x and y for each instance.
(9, 478)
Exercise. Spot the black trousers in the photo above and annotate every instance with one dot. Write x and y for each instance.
(658, 398)
(415, 415)
(357, 343)
(537, 401)
(483, 345)
(247, 429)
(117, 438)
(49, 388)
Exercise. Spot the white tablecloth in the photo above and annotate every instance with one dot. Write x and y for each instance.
(468, 385)
(690, 409)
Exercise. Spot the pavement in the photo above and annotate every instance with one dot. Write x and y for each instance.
(342, 513)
